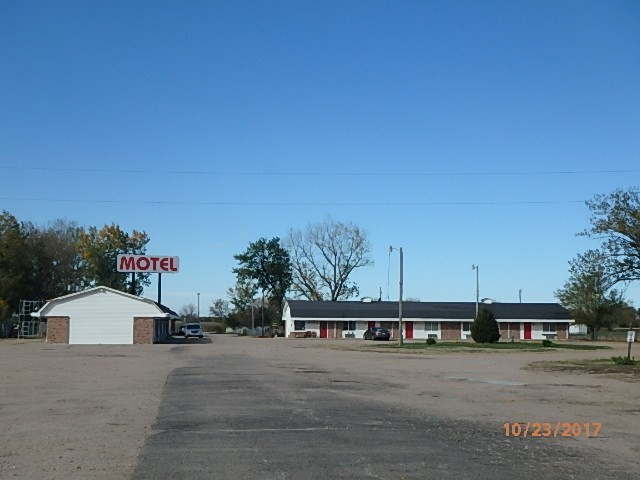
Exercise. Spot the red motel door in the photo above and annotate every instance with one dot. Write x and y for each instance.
(409, 329)
(527, 331)
(371, 324)
(324, 333)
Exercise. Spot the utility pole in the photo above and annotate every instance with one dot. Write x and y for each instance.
(400, 298)
(477, 269)
(520, 295)
(262, 313)
(198, 306)
(253, 321)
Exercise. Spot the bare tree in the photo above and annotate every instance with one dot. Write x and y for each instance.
(323, 257)
(219, 308)
(188, 313)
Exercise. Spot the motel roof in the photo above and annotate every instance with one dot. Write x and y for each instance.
(304, 309)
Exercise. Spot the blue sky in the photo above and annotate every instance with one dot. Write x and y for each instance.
(437, 126)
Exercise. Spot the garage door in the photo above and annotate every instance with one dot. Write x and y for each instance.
(101, 328)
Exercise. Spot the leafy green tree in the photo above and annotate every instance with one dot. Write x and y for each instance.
(99, 249)
(615, 218)
(55, 262)
(243, 295)
(324, 256)
(485, 328)
(14, 261)
(589, 293)
(267, 264)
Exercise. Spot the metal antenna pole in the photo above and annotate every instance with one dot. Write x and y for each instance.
(477, 269)
(400, 300)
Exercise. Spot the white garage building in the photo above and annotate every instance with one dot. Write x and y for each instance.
(102, 315)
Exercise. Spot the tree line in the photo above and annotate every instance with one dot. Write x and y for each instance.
(40, 262)
(315, 263)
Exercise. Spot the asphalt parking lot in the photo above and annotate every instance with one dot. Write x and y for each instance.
(293, 409)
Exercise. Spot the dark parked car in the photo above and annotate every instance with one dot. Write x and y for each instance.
(377, 333)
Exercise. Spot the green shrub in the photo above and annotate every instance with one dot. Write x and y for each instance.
(624, 360)
(431, 341)
(485, 328)
(547, 343)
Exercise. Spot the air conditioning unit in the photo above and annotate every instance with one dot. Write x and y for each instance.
(432, 335)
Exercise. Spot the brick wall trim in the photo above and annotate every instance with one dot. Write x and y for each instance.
(58, 330)
(143, 329)
(451, 330)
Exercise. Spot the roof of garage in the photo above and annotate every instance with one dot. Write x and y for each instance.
(426, 310)
(162, 310)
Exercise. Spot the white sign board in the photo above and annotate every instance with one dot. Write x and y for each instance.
(631, 336)
(147, 263)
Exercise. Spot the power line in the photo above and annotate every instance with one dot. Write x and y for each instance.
(290, 204)
(323, 174)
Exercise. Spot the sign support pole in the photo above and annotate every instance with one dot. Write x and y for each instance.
(159, 287)
(631, 336)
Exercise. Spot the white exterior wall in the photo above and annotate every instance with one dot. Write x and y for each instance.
(536, 327)
(536, 331)
(578, 330)
(361, 327)
(425, 332)
(465, 335)
(418, 330)
(100, 316)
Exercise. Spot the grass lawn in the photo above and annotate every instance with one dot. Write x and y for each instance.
(601, 365)
(526, 346)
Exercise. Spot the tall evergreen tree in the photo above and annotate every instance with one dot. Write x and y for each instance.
(485, 328)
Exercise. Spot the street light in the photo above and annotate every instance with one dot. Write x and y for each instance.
(198, 306)
(477, 269)
(400, 298)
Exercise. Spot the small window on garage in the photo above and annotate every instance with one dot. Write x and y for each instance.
(548, 328)
(298, 324)
(351, 325)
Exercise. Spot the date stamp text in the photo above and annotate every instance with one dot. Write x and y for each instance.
(551, 429)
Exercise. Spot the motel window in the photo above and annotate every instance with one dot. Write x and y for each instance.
(351, 325)
(466, 327)
(431, 326)
(548, 328)
(298, 324)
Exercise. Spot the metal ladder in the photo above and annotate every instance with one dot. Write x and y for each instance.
(29, 326)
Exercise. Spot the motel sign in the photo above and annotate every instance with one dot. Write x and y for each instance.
(147, 263)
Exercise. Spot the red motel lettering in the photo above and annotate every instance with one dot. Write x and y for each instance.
(147, 263)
